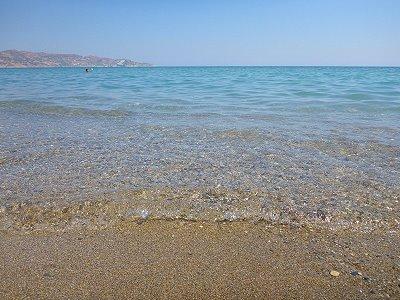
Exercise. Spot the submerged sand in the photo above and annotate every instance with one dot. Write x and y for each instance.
(200, 260)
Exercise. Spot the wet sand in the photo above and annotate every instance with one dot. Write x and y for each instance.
(196, 260)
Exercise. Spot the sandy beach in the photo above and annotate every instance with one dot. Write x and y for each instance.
(199, 150)
(200, 260)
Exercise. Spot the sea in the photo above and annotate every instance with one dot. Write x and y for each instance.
(297, 146)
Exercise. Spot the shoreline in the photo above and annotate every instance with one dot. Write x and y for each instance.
(268, 183)
(200, 260)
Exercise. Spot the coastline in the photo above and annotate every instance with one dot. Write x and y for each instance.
(73, 67)
(199, 260)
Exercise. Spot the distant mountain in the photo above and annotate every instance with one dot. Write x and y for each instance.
(21, 59)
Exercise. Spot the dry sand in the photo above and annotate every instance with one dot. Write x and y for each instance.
(193, 260)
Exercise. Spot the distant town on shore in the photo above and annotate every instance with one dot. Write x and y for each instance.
(26, 59)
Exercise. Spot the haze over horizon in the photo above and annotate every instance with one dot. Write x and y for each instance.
(296, 32)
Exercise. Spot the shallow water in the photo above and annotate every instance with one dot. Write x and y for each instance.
(298, 145)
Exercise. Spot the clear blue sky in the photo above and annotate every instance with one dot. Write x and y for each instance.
(218, 32)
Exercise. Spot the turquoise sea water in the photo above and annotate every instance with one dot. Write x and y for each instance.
(228, 91)
(315, 145)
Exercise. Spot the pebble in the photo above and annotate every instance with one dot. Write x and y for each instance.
(335, 273)
(366, 278)
(355, 273)
(47, 274)
(144, 214)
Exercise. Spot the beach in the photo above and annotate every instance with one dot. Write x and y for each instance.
(199, 183)
(199, 260)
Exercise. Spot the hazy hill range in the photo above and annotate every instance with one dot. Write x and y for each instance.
(21, 59)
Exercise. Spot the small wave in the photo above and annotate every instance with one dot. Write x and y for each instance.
(357, 96)
(47, 108)
(210, 205)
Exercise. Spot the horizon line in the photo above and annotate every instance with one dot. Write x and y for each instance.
(209, 66)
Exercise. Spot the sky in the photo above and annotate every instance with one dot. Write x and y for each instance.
(209, 32)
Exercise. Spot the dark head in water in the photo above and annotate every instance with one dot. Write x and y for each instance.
(87, 70)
